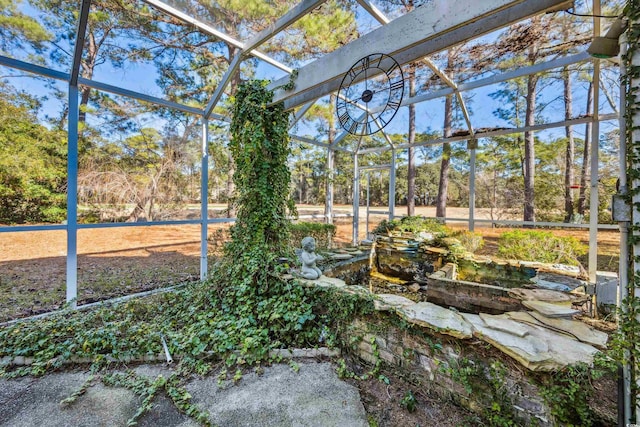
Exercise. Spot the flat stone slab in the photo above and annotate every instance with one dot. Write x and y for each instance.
(435, 250)
(559, 282)
(34, 402)
(313, 396)
(529, 350)
(504, 323)
(440, 319)
(339, 257)
(526, 317)
(540, 349)
(549, 309)
(356, 289)
(564, 350)
(386, 302)
(576, 328)
(523, 317)
(546, 295)
(323, 282)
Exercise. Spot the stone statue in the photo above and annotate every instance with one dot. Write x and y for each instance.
(308, 258)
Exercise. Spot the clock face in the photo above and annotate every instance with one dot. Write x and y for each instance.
(370, 94)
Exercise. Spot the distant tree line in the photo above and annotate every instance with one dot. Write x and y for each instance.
(141, 162)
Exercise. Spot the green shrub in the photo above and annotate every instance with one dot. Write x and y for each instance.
(470, 240)
(567, 393)
(412, 224)
(541, 246)
(323, 233)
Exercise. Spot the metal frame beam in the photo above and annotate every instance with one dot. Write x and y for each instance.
(288, 19)
(79, 46)
(214, 32)
(222, 85)
(291, 17)
(59, 75)
(143, 97)
(577, 121)
(373, 11)
(300, 113)
(307, 140)
(32, 68)
(502, 77)
(445, 24)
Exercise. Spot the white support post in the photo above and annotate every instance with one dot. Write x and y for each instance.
(72, 198)
(72, 159)
(204, 200)
(593, 194)
(472, 145)
(328, 204)
(368, 200)
(392, 185)
(356, 198)
(594, 158)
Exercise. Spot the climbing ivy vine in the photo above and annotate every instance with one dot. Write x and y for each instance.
(625, 344)
(225, 324)
(254, 289)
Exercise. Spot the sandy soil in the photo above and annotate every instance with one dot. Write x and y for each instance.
(121, 260)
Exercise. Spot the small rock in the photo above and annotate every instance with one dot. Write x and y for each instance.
(386, 302)
(414, 287)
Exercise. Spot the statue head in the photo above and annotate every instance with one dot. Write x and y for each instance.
(308, 244)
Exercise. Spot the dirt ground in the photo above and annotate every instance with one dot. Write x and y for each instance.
(121, 260)
(383, 400)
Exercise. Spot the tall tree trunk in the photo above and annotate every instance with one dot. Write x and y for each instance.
(411, 164)
(569, 157)
(87, 67)
(494, 195)
(443, 185)
(529, 151)
(585, 154)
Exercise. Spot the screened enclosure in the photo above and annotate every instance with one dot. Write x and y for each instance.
(129, 103)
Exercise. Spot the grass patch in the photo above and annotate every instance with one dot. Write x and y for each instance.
(540, 246)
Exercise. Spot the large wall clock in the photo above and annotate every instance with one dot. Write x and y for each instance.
(370, 94)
